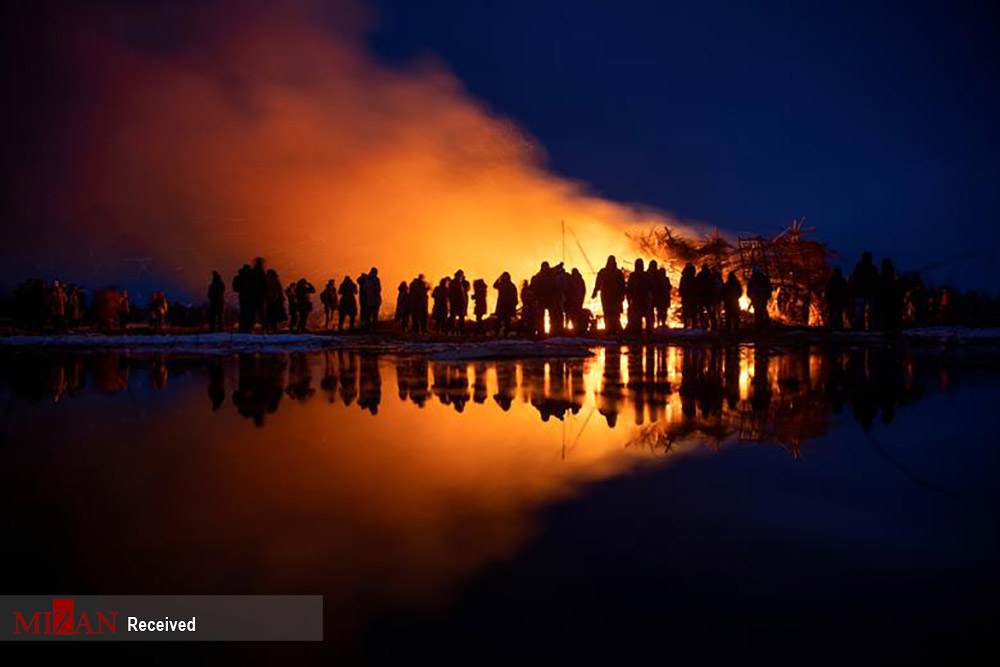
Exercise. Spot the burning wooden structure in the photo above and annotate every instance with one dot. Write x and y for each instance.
(797, 266)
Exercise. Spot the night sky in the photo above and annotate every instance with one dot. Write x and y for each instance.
(875, 121)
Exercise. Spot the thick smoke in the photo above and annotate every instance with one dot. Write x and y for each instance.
(200, 136)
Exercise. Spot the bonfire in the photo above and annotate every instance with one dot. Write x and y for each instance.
(798, 266)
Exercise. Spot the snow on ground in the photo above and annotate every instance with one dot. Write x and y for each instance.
(922, 335)
(957, 333)
(445, 349)
(203, 342)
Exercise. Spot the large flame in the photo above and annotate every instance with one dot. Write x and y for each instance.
(262, 131)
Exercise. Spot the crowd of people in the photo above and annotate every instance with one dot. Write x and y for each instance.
(552, 301)
(869, 299)
(62, 306)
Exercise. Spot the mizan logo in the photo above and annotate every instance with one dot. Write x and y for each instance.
(62, 621)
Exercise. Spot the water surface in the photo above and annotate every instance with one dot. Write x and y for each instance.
(702, 501)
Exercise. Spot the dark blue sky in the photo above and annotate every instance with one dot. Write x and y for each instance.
(875, 121)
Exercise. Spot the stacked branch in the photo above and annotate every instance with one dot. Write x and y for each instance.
(798, 266)
(672, 249)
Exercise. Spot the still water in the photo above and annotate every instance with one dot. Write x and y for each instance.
(709, 502)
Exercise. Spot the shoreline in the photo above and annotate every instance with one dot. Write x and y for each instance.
(484, 347)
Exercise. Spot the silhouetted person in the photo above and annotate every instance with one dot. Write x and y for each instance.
(528, 308)
(557, 300)
(660, 288)
(348, 302)
(889, 298)
(538, 290)
(458, 301)
(652, 291)
(731, 293)
(916, 299)
(439, 312)
(258, 283)
(363, 301)
(418, 303)
(30, 302)
(124, 310)
(835, 296)
(293, 312)
(707, 298)
(543, 291)
(506, 302)
(402, 314)
(576, 294)
(303, 302)
(107, 302)
(244, 292)
(638, 296)
(76, 305)
(610, 283)
(373, 287)
(759, 292)
(863, 285)
(688, 289)
(274, 298)
(718, 284)
(158, 310)
(57, 305)
(216, 302)
(328, 297)
(479, 290)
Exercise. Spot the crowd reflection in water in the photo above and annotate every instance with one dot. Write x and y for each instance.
(668, 393)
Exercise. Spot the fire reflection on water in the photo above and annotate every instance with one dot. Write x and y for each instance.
(646, 384)
(274, 479)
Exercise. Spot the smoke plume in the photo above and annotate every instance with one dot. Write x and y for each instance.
(198, 136)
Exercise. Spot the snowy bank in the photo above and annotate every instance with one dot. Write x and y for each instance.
(445, 348)
(203, 342)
